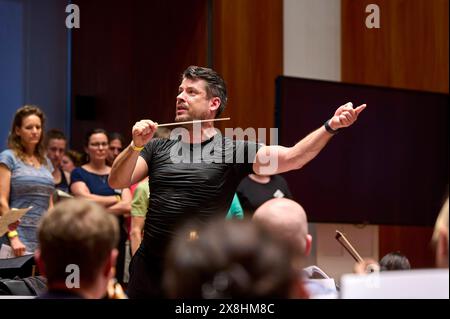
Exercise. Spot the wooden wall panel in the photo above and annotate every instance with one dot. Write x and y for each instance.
(129, 55)
(248, 52)
(410, 51)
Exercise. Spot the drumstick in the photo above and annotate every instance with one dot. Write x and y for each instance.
(193, 122)
(351, 250)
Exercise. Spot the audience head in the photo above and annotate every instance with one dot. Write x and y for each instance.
(78, 232)
(215, 85)
(394, 261)
(440, 237)
(26, 132)
(116, 144)
(55, 144)
(229, 259)
(70, 160)
(96, 145)
(286, 219)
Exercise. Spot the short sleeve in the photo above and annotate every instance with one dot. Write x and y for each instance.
(8, 159)
(139, 204)
(147, 152)
(50, 166)
(76, 176)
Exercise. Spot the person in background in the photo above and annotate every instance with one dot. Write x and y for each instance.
(90, 181)
(254, 190)
(70, 160)
(394, 261)
(235, 210)
(116, 143)
(82, 234)
(55, 144)
(25, 177)
(139, 207)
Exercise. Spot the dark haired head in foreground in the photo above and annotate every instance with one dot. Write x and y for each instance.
(229, 259)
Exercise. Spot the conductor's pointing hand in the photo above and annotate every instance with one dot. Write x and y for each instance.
(345, 115)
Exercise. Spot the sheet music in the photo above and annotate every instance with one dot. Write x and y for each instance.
(10, 217)
(63, 194)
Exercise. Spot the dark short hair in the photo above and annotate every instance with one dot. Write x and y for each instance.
(54, 134)
(116, 136)
(88, 135)
(228, 259)
(394, 261)
(215, 85)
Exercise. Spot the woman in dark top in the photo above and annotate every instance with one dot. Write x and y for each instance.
(91, 181)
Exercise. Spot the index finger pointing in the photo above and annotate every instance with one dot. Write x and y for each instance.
(360, 108)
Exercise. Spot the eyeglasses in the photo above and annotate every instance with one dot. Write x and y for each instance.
(97, 145)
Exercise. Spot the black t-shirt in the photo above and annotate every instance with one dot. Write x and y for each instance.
(191, 182)
(253, 194)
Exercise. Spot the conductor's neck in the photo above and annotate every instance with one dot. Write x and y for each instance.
(199, 133)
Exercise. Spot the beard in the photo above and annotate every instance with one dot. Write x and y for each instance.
(189, 116)
(183, 117)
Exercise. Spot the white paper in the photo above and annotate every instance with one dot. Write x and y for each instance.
(6, 252)
(63, 194)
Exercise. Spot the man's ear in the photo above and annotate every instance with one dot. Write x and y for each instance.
(39, 262)
(308, 245)
(215, 103)
(109, 268)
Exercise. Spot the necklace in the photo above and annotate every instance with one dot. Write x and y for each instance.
(32, 161)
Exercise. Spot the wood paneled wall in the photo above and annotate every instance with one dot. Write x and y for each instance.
(248, 53)
(409, 50)
(129, 57)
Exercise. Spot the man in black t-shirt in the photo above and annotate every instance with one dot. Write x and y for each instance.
(194, 177)
(254, 190)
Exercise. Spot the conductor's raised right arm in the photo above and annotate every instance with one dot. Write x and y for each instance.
(129, 167)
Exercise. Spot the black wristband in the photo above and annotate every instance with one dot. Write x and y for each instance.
(329, 129)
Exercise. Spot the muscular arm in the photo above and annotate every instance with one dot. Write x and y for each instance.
(277, 159)
(129, 167)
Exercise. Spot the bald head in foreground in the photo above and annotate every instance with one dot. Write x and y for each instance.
(286, 219)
